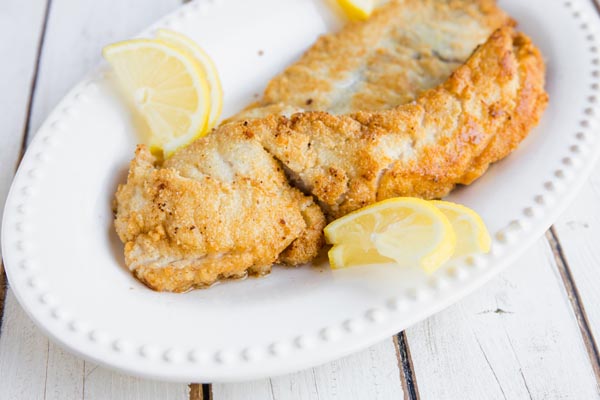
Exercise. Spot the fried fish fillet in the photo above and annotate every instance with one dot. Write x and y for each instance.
(224, 205)
(405, 48)
(220, 208)
(449, 135)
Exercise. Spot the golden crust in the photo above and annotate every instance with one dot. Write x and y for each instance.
(183, 279)
(215, 210)
(310, 241)
(405, 48)
(449, 135)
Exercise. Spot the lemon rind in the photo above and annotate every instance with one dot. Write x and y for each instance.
(208, 66)
(444, 242)
(200, 115)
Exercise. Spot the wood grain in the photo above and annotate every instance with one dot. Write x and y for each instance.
(405, 364)
(23, 355)
(517, 337)
(24, 27)
(196, 392)
(63, 375)
(31, 367)
(102, 383)
(18, 86)
(574, 238)
(371, 374)
(576, 234)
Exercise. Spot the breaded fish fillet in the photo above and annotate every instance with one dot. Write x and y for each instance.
(224, 205)
(405, 48)
(219, 208)
(448, 136)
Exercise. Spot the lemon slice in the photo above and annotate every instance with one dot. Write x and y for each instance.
(187, 45)
(407, 231)
(357, 9)
(471, 234)
(166, 86)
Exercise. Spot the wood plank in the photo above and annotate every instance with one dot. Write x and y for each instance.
(63, 375)
(370, 374)
(517, 337)
(577, 233)
(30, 366)
(23, 25)
(101, 383)
(23, 355)
(577, 255)
(254, 390)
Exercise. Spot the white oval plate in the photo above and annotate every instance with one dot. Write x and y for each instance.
(65, 263)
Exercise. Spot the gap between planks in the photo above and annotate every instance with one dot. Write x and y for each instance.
(200, 391)
(24, 135)
(596, 4)
(3, 286)
(405, 367)
(575, 300)
(588, 338)
(34, 80)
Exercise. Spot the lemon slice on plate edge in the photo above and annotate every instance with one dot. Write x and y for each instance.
(209, 68)
(403, 230)
(472, 235)
(173, 85)
(406, 231)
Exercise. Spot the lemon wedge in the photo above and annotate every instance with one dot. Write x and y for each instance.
(403, 230)
(471, 234)
(188, 46)
(357, 9)
(167, 86)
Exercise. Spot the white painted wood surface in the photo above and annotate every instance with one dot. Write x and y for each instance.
(515, 338)
(31, 367)
(578, 232)
(370, 374)
(17, 76)
(470, 351)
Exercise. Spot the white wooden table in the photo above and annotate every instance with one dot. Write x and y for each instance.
(529, 333)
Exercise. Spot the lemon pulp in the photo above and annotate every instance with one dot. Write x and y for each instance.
(471, 234)
(166, 86)
(188, 46)
(406, 231)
